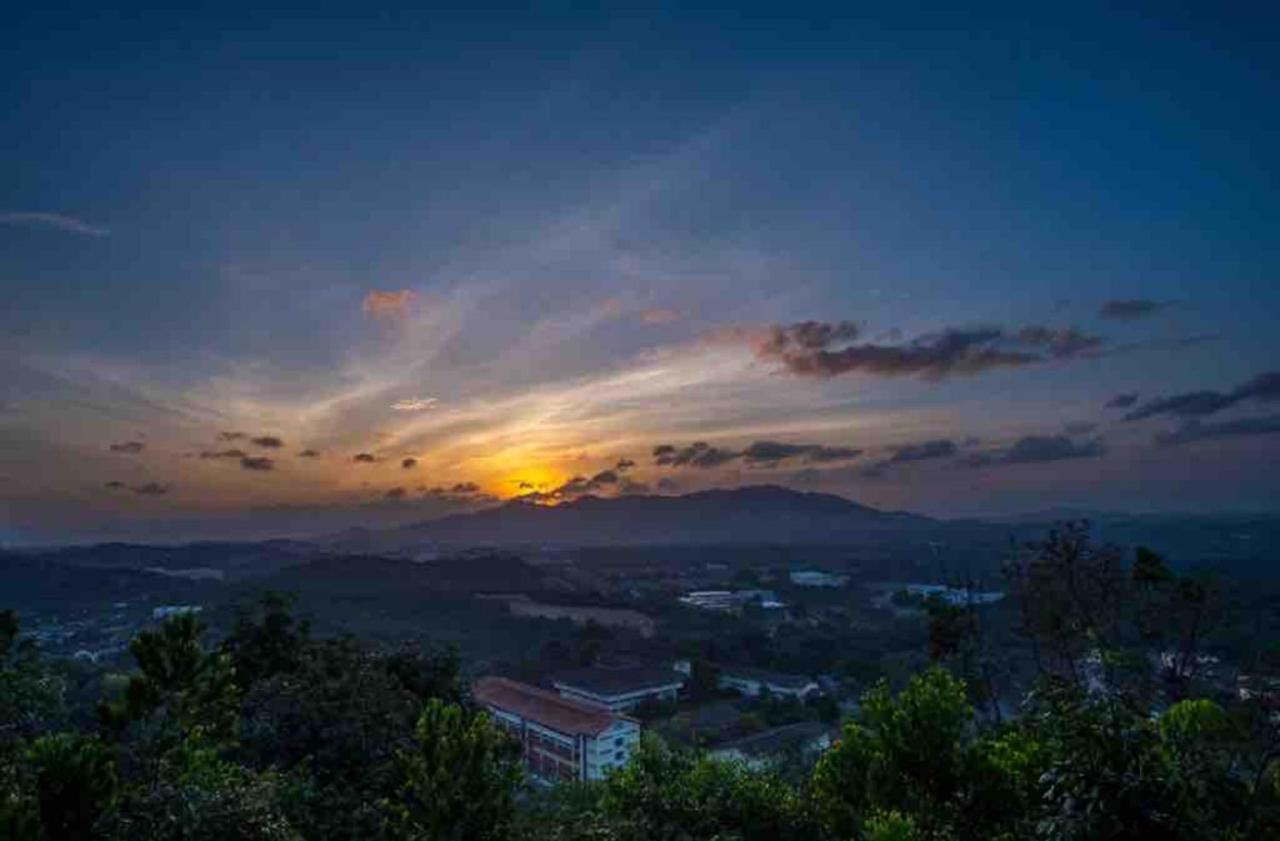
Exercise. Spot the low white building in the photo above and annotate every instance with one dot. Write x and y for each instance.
(755, 682)
(171, 610)
(621, 689)
(954, 595)
(560, 738)
(817, 578)
(729, 600)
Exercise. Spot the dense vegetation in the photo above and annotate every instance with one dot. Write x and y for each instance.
(274, 733)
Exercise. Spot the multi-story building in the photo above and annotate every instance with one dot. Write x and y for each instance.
(620, 689)
(561, 738)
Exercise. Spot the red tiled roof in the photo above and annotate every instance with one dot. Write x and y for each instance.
(546, 708)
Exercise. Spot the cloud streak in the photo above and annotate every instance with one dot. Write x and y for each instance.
(1264, 388)
(1036, 449)
(1195, 430)
(937, 448)
(58, 221)
(829, 349)
(1131, 309)
(388, 304)
(416, 404)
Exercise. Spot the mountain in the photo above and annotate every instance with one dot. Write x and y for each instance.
(752, 515)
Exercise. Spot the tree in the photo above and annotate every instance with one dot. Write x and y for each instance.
(665, 794)
(76, 783)
(266, 639)
(202, 796)
(458, 780)
(1115, 773)
(915, 756)
(180, 686)
(30, 698)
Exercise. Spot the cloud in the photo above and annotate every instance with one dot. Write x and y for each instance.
(698, 454)
(395, 493)
(129, 447)
(148, 489)
(388, 304)
(905, 453)
(624, 464)
(1130, 309)
(1060, 342)
(659, 316)
(1033, 449)
(232, 453)
(467, 493)
(1195, 430)
(309, 454)
(1079, 428)
(1264, 388)
(232, 436)
(806, 351)
(415, 404)
(630, 487)
(772, 452)
(1122, 401)
(668, 485)
(581, 485)
(61, 222)
(828, 349)
(257, 463)
(364, 458)
(409, 463)
(268, 441)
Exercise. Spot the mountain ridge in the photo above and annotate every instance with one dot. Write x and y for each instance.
(751, 514)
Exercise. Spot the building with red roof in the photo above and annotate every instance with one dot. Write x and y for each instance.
(561, 738)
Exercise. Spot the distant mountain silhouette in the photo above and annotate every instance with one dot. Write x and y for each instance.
(756, 514)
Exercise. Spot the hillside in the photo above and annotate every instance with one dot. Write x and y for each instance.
(751, 515)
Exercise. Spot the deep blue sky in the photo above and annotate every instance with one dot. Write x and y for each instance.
(578, 237)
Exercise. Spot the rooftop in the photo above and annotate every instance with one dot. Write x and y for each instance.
(605, 681)
(546, 708)
(773, 678)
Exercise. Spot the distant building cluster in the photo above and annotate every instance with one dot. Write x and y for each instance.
(731, 600)
(954, 595)
(170, 610)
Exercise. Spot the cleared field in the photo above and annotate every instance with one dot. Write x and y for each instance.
(521, 605)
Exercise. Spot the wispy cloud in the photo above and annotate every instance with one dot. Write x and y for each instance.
(1195, 430)
(1131, 309)
(829, 349)
(60, 221)
(1264, 388)
(1033, 449)
(415, 404)
(388, 304)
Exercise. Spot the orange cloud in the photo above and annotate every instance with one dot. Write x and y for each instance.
(387, 304)
(659, 316)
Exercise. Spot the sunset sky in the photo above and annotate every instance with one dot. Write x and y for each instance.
(269, 272)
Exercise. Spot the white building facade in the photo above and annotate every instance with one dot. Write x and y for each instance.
(561, 738)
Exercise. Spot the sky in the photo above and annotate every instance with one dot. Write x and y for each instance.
(272, 271)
